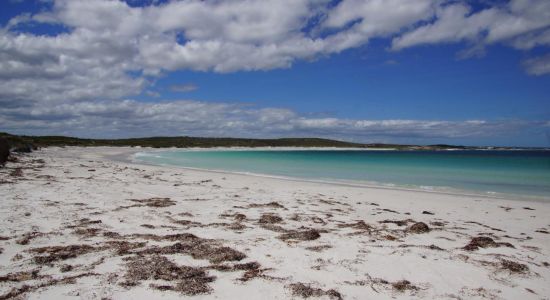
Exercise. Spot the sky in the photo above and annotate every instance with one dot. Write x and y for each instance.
(392, 71)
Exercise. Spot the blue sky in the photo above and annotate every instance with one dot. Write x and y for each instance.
(432, 76)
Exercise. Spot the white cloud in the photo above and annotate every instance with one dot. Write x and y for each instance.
(538, 65)
(374, 18)
(522, 24)
(186, 117)
(109, 51)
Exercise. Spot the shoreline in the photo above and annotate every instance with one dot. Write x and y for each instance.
(78, 223)
(348, 183)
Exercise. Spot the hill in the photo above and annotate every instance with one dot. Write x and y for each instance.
(180, 142)
(29, 142)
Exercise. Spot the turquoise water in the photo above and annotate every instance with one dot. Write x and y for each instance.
(525, 173)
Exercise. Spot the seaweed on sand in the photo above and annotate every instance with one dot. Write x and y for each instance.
(318, 248)
(306, 291)
(403, 285)
(187, 280)
(27, 237)
(124, 247)
(87, 232)
(360, 225)
(484, 242)
(301, 235)
(239, 217)
(181, 237)
(272, 227)
(513, 267)
(236, 226)
(22, 276)
(215, 254)
(155, 202)
(397, 222)
(236, 267)
(198, 249)
(16, 292)
(252, 270)
(17, 172)
(56, 253)
(270, 204)
(270, 219)
(419, 227)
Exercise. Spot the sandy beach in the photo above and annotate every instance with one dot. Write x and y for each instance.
(87, 223)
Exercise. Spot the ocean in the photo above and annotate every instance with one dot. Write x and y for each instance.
(524, 174)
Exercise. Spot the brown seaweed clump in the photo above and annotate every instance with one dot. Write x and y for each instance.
(16, 292)
(236, 226)
(306, 291)
(360, 225)
(301, 235)
(155, 202)
(27, 237)
(215, 254)
(397, 222)
(270, 204)
(239, 217)
(197, 248)
(419, 227)
(484, 242)
(252, 270)
(318, 248)
(403, 285)
(22, 276)
(57, 253)
(17, 172)
(513, 267)
(186, 280)
(270, 219)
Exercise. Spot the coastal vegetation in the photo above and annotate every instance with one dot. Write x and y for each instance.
(23, 143)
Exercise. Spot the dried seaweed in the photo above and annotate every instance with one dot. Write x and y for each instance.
(301, 235)
(188, 280)
(403, 285)
(484, 242)
(270, 204)
(513, 267)
(155, 202)
(307, 291)
(270, 219)
(419, 227)
(56, 253)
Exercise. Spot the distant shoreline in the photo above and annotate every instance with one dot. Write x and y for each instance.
(216, 142)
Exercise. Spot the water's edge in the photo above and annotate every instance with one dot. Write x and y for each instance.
(137, 157)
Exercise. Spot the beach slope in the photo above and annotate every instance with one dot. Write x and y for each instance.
(81, 223)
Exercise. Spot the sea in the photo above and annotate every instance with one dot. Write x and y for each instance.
(495, 173)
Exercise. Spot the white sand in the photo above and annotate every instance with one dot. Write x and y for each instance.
(50, 198)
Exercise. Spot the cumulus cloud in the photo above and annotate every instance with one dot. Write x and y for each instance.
(187, 117)
(110, 50)
(538, 65)
(520, 23)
